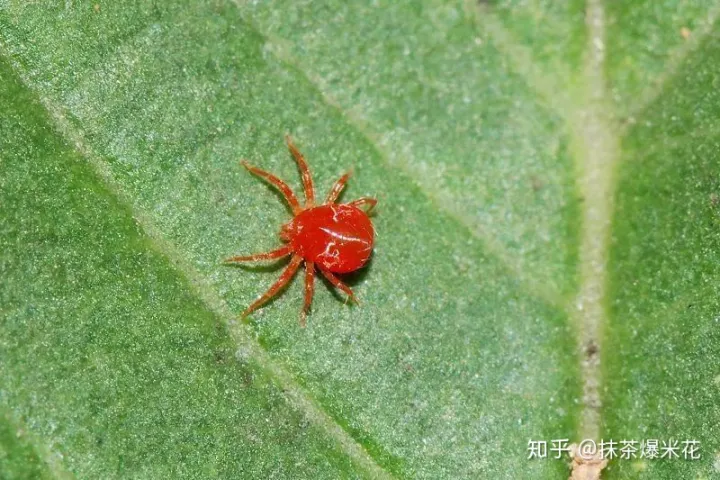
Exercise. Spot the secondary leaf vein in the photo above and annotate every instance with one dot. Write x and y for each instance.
(549, 294)
(240, 333)
(675, 60)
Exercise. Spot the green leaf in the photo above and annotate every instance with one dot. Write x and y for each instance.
(546, 264)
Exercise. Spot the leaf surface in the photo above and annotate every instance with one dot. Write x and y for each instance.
(545, 266)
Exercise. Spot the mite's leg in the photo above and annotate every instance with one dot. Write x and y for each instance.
(337, 188)
(279, 284)
(360, 202)
(304, 172)
(309, 290)
(278, 253)
(338, 284)
(277, 183)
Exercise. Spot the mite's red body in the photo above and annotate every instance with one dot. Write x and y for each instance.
(338, 238)
(331, 238)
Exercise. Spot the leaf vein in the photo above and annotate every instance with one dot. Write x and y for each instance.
(240, 333)
(675, 61)
(493, 247)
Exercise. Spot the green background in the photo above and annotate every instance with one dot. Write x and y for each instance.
(473, 123)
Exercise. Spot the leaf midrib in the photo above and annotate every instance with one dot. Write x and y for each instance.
(598, 153)
(595, 130)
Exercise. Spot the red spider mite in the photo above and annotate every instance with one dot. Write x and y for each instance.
(331, 238)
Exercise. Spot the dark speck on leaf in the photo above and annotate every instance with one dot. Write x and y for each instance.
(247, 378)
(591, 349)
(536, 183)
